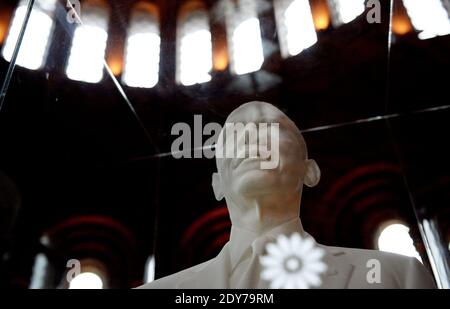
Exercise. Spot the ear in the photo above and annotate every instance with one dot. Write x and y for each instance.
(312, 173)
(217, 186)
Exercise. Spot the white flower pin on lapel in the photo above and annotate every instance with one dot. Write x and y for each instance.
(293, 263)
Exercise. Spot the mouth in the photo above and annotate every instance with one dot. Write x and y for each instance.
(239, 161)
(249, 153)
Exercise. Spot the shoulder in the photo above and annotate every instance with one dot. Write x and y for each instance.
(171, 281)
(362, 256)
(395, 270)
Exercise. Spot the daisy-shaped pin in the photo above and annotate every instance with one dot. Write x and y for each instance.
(293, 263)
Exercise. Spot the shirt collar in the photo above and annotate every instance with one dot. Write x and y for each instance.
(241, 239)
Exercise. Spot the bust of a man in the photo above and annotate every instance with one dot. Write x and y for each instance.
(263, 195)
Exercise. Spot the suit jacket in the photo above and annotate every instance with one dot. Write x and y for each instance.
(347, 269)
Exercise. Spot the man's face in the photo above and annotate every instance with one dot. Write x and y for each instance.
(244, 177)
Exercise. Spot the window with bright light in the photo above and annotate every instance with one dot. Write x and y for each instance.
(36, 40)
(150, 269)
(86, 280)
(429, 17)
(194, 49)
(142, 51)
(395, 238)
(86, 59)
(344, 11)
(40, 269)
(295, 26)
(244, 34)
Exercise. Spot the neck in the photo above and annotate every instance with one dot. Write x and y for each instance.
(262, 214)
(242, 238)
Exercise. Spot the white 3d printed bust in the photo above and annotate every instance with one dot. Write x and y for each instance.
(265, 203)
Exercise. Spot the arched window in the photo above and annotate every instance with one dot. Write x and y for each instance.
(194, 52)
(395, 238)
(35, 43)
(244, 36)
(295, 25)
(86, 280)
(142, 48)
(92, 276)
(86, 59)
(344, 11)
(429, 17)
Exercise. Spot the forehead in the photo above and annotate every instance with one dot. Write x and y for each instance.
(257, 112)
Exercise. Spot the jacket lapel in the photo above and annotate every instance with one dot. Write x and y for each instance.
(339, 270)
(213, 275)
